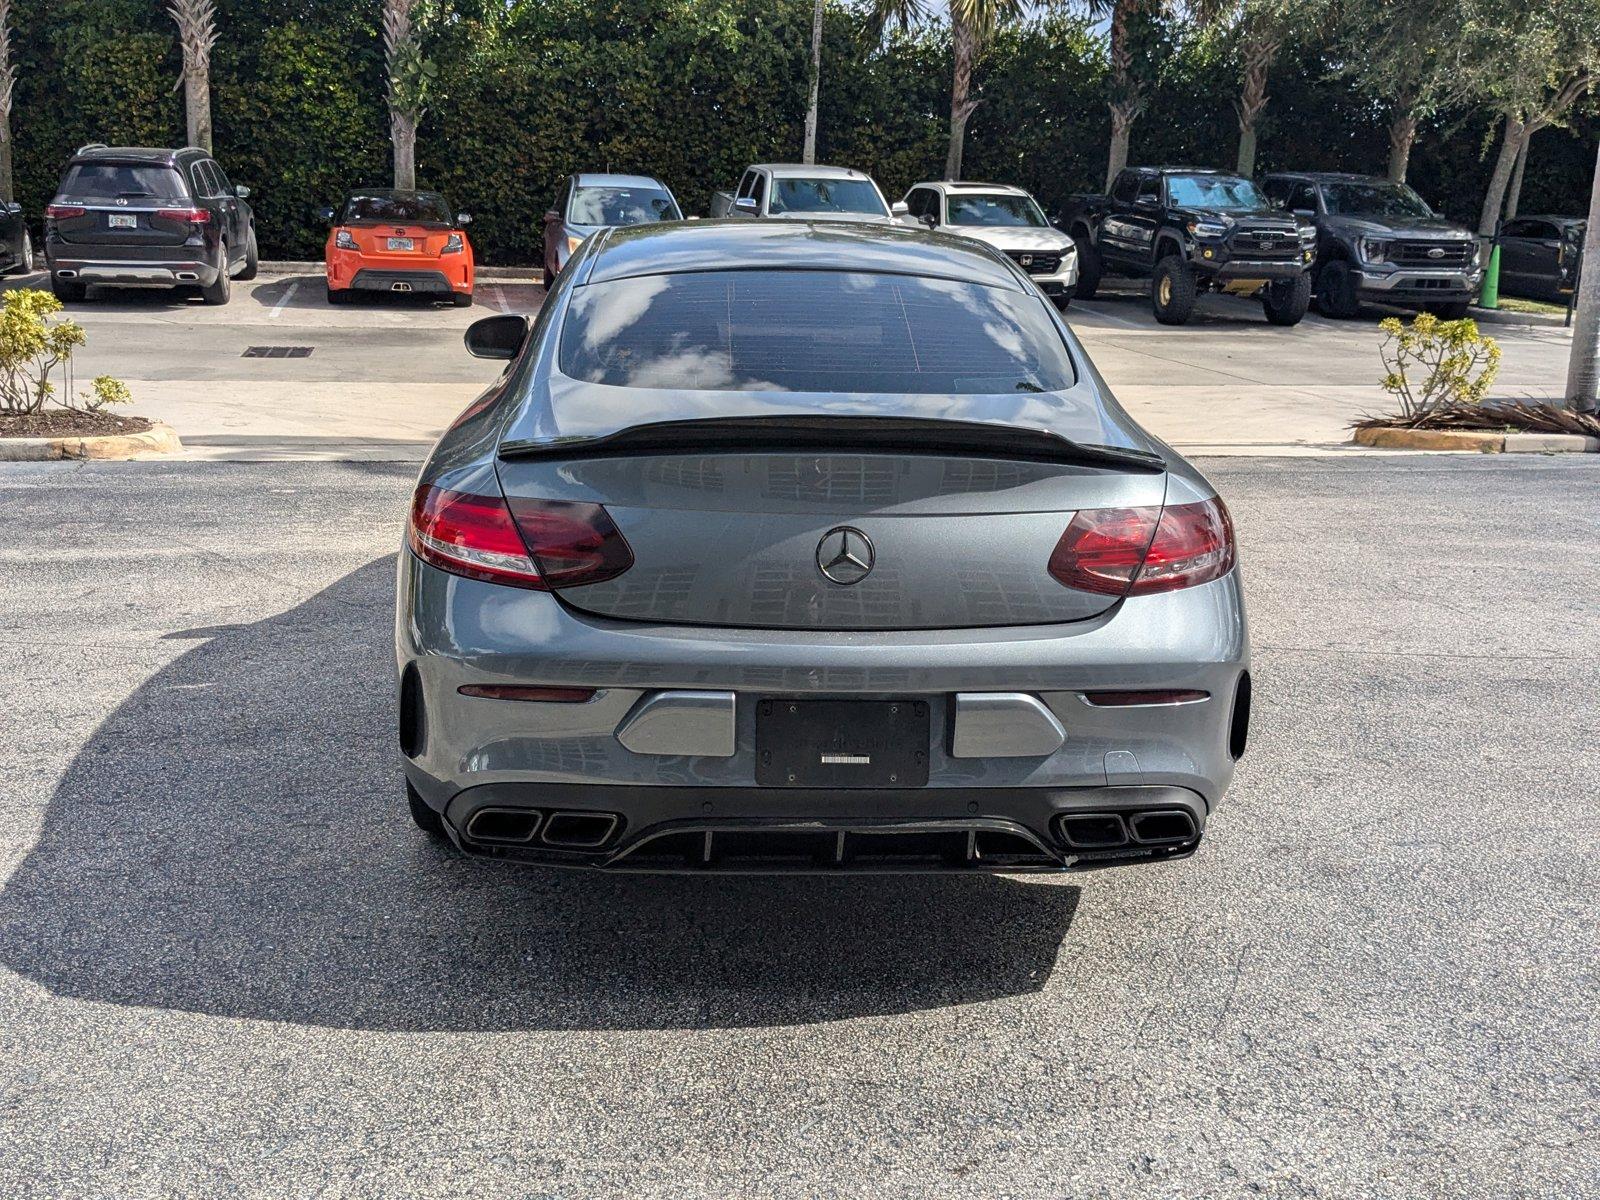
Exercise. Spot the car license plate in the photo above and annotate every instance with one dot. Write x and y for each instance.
(122, 221)
(401, 244)
(842, 743)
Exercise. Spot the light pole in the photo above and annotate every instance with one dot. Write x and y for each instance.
(1583, 368)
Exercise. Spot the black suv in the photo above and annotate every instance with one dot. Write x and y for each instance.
(1191, 230)
(1378, 241)
(134, 217)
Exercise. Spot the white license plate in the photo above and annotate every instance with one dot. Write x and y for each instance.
(122, 221)
(401, 244)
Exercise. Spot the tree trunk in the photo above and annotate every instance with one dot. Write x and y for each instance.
(965, 39)
(403, 133)
(197, 105)
(1402, 135)
(1583, 367)
(809, 153)
(1122, 116)
(7, 191)
(1514, 196)
(1258, 55)
(1125, 101)
(1510, 146)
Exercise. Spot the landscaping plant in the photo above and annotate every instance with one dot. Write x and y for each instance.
(1434, 365)
(36, 349)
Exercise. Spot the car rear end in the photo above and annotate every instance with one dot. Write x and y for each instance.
(130, 221)
(400, 258)
(801, 631)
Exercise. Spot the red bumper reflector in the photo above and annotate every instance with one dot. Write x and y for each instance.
(546, 695)
(1137, 699)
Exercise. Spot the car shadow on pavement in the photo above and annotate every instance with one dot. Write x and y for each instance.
(232, 840)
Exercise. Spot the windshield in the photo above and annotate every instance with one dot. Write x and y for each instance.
(826, 195)
(411, 208)
(1220, 193)
(812, 331)
(621, 206)
(123, 179)
(967, 209)
(1373, 200)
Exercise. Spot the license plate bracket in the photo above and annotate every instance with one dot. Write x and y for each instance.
(842, 743)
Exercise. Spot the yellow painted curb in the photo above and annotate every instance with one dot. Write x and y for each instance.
(159, 439)
(1431, 439)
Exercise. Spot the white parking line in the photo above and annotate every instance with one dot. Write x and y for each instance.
(288, 295)
(504, 307)
(1100, 312)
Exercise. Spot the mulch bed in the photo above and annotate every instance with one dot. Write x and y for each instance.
(68, 422)
(1498, 416)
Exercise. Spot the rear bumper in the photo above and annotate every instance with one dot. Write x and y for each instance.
(380, 273)
(666, 829)
(177, 272)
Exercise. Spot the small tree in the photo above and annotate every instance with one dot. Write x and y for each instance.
(1436, 364)
(35, 349)
(197, 34)
(411, 76)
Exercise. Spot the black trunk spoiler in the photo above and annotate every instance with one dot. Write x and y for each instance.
(833, 434)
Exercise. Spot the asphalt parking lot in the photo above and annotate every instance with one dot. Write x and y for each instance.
(229, 966)
(384, 377)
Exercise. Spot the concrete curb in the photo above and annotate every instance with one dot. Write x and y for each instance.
(1495, 316)
(160, 439)
(493, 274)
(1482, 441)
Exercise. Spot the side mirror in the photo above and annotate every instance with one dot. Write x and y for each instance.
(241, 191)
(497, 337)
(931, 220)
(463, 218)
(325, 213)
(747, 204)
(1146, 202)
(900, 208)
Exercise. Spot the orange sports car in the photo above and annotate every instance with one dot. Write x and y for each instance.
(386, 240)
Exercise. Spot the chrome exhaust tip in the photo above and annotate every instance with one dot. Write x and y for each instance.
(503, 826)
(187, 276)
(66, 274)
(400, 287)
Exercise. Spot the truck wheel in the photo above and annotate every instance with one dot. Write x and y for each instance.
(1453, 311)
(1336, 291)
(1286, 303)
(1172, 291)
(1088, 267)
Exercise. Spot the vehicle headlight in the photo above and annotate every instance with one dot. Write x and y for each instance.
(1308, 234)
(345, 240)
(573, 243)
(1372, 250)
(1477, 253)
(1207, 229)
(454, 244)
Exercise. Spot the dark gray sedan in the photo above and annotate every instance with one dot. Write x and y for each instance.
(798, 547)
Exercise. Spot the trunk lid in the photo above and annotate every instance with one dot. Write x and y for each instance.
(917, 541)
(386, 240)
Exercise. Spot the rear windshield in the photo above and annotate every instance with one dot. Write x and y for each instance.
(968, 209)
(621, 206)
(412, 208)
(826, 196)
(812, 331)
(129, 181)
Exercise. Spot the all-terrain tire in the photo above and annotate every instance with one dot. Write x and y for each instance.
(1336, 291)
(1172, 291)
(1286, 303)
(1089, 267)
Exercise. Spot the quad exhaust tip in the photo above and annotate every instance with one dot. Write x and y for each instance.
(524, 826)
(1108, 831)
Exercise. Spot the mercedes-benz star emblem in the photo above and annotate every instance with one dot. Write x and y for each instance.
(120, 200)
(845, 555)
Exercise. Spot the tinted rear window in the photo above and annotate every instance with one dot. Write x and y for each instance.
(812, 331)
(412, 208)
(131, 181)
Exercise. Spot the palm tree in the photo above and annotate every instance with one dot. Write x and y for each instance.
(410, 74)
(8, 80)
(1126, 93)
(809, 154)
(1259, 28)
(197, 33)
(972, 23)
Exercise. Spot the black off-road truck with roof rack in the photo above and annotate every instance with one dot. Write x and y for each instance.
(1191, 230)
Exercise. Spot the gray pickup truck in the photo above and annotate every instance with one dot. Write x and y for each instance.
(795, 192)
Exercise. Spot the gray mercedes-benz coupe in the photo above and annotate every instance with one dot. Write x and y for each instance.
(793, 547)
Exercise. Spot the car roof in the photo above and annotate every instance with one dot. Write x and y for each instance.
(607, 179)
(1182, 170)
(1546, 217)
(967, 185)
(132, 153)
(388, 191)
(803, 171)
(1328, 176)
(673, 248)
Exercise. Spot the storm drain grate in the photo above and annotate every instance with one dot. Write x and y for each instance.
(277, 352)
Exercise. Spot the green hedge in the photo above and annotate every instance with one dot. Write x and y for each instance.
(690, 90)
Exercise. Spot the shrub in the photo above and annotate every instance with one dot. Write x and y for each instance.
(34, 349)
(1436, 364)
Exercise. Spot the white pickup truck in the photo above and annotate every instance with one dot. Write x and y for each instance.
(794, 192)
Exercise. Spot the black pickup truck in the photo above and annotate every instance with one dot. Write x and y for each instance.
(1188, 231)
(1378, 241)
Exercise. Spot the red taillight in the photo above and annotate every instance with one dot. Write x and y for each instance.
(1136, 551)
(574, 543)
(58, 211)
(1144, 697)
(543, 544)
(194, 216)
(539, 695)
